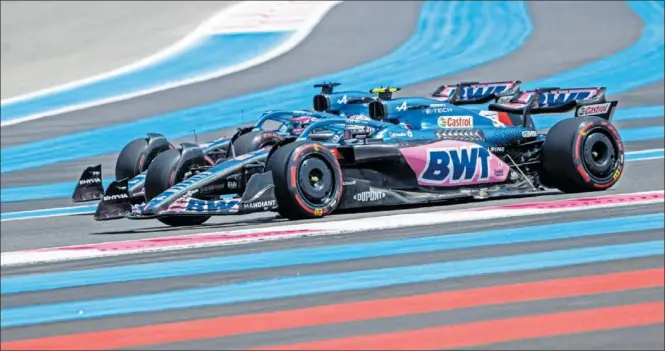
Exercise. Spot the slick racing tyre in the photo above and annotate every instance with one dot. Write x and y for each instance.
(582, 154)
(308, 180)
(136, 156)
(168, 169)
(255, 140)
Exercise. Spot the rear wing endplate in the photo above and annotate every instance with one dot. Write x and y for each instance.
(584, 101)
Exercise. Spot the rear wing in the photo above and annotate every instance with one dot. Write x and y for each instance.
(327, 87)
(584, 101)
(385, 93)
(337, 102)
(466, 93)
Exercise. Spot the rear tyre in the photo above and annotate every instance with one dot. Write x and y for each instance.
(137, 155)
(166, 171)
(308, 180)
(255, 140)
(582, 154)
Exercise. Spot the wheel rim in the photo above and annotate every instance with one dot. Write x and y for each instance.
(315, 181)
(599, 155)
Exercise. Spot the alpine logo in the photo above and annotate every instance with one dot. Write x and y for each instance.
(591, 110)
(116, 197)
(402, 107)
(368, 196)
(90, 181)
(455, 122)
(494, 117)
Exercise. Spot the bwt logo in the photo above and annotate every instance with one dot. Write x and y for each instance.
(211, 205)
(456, 165)
(563, 96)
(481, 90)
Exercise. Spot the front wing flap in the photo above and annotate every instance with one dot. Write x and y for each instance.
(89, 186)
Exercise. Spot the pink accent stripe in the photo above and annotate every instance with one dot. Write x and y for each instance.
(195, 239)
(582, 202)
(258, 234)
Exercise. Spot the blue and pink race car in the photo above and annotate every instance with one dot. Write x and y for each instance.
(368, 149)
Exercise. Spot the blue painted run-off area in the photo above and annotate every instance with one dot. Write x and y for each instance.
(451, 36)
(327, 254)
(311, 284)
(640, 64)
(210, 54)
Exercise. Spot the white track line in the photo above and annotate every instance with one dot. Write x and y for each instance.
(303, 17)
(319, 228)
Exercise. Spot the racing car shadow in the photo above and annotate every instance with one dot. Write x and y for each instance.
(379, 210)
(338, 214)
(159, 227)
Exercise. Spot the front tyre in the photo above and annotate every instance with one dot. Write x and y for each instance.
(137, 155)
(308, 180)
(582, 154)
(255, 140)
(168, 169)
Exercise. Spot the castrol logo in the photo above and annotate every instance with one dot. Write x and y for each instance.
(591, 110)
(455, 122)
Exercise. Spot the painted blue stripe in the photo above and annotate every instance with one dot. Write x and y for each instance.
(450, 36)
(63, 211)
(41, 192)
(629, 135)
(211, 54)
(640, 64)
(319, 284)
(644, 155)
(308, 256)
(620, 115)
